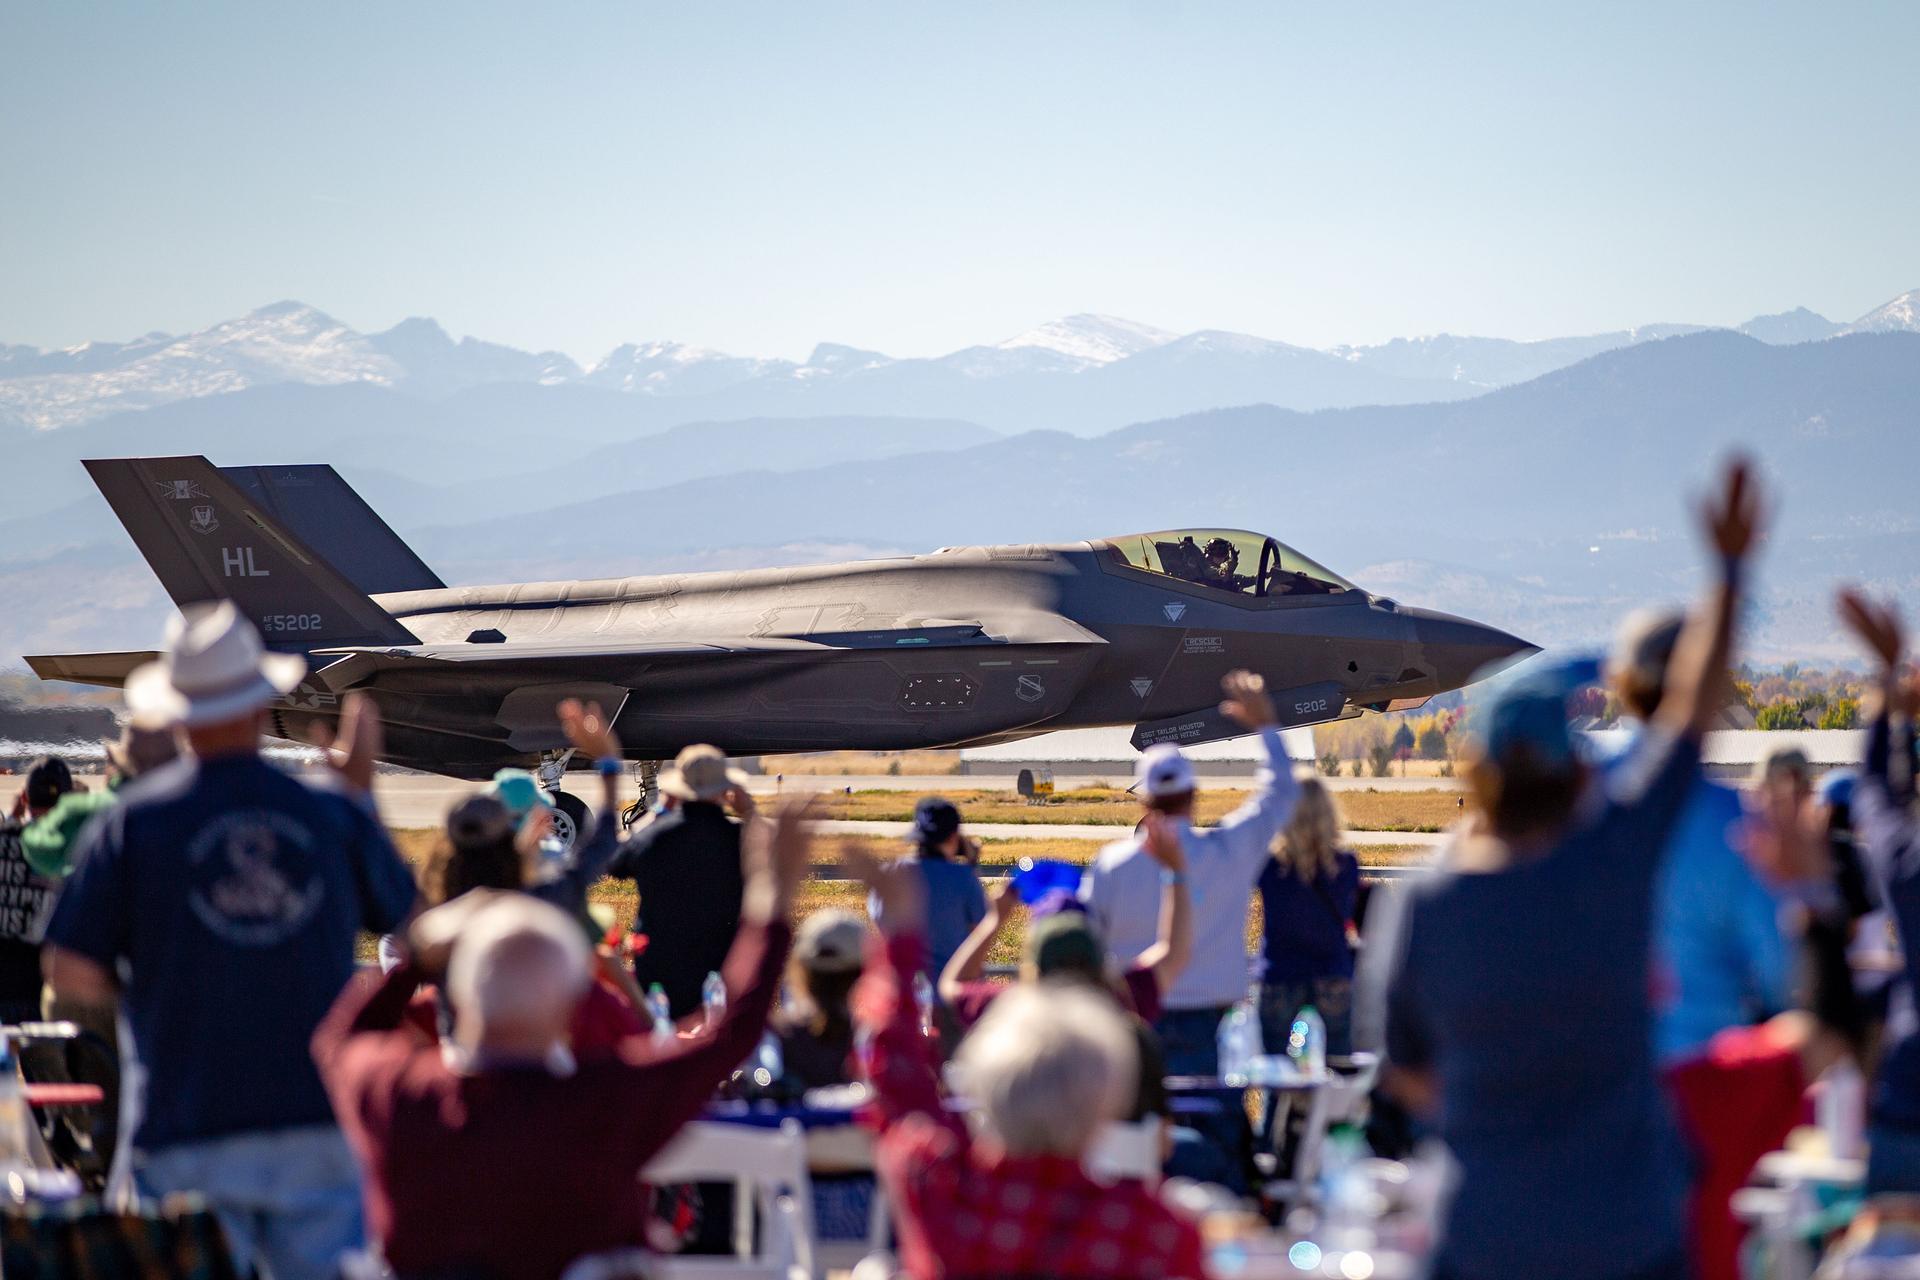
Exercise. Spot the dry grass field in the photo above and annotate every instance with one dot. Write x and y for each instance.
(1363, 810)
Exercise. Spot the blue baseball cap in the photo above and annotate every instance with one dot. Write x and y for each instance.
(934, 819)
(518, 792)
(1836, 789)
(1529, 716)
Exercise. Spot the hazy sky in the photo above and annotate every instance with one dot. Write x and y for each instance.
(916, 177)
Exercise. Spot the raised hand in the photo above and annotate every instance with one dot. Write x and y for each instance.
(1732, 518)
(355, 748)
(1161, 839)
(1877, 625)
(896, 885)
(533, 831)
(1247, 703)
(778, 856)
(588, 729)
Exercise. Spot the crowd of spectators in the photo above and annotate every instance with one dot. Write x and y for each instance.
(1608, 999)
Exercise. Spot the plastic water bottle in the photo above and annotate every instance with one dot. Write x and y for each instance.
(1239, 1043)
(16, 1151)
(1307, 1043)
(713, 1001)
(1840, 1110)
(661, 1013)
(923, 999)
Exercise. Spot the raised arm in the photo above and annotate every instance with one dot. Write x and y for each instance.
(1254, 824)
(591, 733)
(901, 1064)
(1173, 946)
(1698, 678)
(1883, 824)
(970, 961)
(369, 1004)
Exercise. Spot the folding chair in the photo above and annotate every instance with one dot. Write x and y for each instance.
(1340, 1099)
(768, 1169)
(1128, 1149)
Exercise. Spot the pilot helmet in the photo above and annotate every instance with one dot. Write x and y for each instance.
(1219, 550)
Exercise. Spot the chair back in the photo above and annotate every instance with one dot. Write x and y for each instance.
(768, 1169)
(1128, 1149)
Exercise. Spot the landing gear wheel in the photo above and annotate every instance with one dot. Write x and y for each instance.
(571, 818)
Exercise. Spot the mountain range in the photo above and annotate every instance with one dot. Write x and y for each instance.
(1548, 504)
(1083, 373)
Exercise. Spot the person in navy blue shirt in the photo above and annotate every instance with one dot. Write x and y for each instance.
(1308, 891)
(945, 859)
(1512, 987)
(221, 901)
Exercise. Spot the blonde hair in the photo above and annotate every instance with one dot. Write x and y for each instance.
(1312, 838)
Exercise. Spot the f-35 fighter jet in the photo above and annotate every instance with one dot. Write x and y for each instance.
(963, 646)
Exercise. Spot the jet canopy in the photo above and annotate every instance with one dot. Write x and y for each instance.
(1250, 564)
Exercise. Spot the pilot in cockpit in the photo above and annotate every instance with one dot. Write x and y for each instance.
(1222, 560)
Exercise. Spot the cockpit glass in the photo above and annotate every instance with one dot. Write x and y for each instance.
(1228, 560)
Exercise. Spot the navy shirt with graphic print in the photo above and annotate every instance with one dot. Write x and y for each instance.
(230, 897)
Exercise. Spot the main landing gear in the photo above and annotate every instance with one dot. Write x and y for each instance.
(571, 817)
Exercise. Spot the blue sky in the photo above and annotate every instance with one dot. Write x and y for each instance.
(916, 177)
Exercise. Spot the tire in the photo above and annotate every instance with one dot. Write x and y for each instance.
(571, 818)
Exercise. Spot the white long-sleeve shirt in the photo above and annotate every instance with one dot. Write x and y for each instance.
(1122, 890)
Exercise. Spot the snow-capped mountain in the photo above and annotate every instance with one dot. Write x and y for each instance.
(1901, 315)
(1090, 339)
(1080, 373)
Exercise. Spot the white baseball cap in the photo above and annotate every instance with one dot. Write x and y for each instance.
(1162, 771)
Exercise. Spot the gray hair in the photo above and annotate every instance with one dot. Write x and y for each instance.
(515, 958)
(1048, 1066)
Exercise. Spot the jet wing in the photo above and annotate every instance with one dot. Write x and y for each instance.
(108, 670)
(355, 665)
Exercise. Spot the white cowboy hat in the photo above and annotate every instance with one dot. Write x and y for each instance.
(700, 773)
(212, 667)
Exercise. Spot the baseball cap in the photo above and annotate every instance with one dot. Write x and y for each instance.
(518, 792)
(1528, 718)
(830, 941)
(1644, 645)
(1163, 771)
(935, 818)
(48, 778)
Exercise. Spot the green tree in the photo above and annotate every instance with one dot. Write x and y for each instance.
(1432, 744)
(1330, 764)
(1781, 715)
(1841, 713)
(1380, 759)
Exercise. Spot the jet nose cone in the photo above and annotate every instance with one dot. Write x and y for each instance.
(1460, 651)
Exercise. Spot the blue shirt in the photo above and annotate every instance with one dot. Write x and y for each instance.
(1720, 958)
(230, 896)
(1524, 990)
(1122, 889)
(955, 904)
(1304, 930)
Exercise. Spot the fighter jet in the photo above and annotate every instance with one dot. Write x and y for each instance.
(960, 647)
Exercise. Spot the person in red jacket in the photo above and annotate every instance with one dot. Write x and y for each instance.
(504, 1155)
(1048, 1066)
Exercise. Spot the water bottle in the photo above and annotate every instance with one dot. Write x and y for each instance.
(1239, 1043)
(16, 1149)
(923, 999)
(1840, 1110)
(1307, 1043)
(661, 1013)
(713, 1001)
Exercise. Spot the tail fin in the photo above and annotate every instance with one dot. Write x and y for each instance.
(316, 506)
(208, 540)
